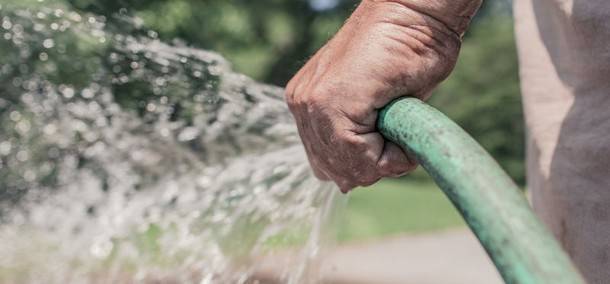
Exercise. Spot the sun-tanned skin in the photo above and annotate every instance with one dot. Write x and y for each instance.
(385, 50)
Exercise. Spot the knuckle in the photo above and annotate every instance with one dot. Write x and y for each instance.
(290, 87)
(315, 100)
(354, 141)
(290, 97)
(318, 96)
(309, 101)
(296, 103)
(320, 92)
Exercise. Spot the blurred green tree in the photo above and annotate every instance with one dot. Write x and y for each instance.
(266, 39)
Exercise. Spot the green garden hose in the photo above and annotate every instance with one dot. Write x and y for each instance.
(493, 206)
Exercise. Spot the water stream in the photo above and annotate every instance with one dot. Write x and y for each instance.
(126, 159)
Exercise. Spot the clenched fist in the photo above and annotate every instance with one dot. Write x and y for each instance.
(386, 49)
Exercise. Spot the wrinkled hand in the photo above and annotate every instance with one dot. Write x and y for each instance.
(386, 49)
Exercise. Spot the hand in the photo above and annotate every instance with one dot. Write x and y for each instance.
(386, 49)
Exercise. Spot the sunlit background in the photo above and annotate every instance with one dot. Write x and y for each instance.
(267, 40)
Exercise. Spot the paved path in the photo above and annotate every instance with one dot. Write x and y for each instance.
(453, 257)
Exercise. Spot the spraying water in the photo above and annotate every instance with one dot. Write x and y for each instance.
(125, 159)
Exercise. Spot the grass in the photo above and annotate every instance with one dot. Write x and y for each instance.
(396, 206)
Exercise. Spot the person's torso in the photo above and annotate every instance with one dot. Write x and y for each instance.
(564, 50)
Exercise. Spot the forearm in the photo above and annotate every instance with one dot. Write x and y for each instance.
(455, 14)
(427, 32)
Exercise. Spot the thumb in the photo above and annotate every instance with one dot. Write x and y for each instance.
(394, 161)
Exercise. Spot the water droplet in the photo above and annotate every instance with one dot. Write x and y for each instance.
(188, 134)
(17, 81)
(50, 129)
(208, 279)
(160, 82)
(15, 116)
(215, 70)
(29, 175)
(23, 127)
(43, 56)
(6, 24)
(101, 248)
(67, 92)
(151, 107)
(75, 17)
(48, 43)
(152, 34)
(165, 132)
(22, 156)
(38, 27)
(18, 29)
(5, 148)
(87, 93)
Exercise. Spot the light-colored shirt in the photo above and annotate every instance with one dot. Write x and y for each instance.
(564, 50)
